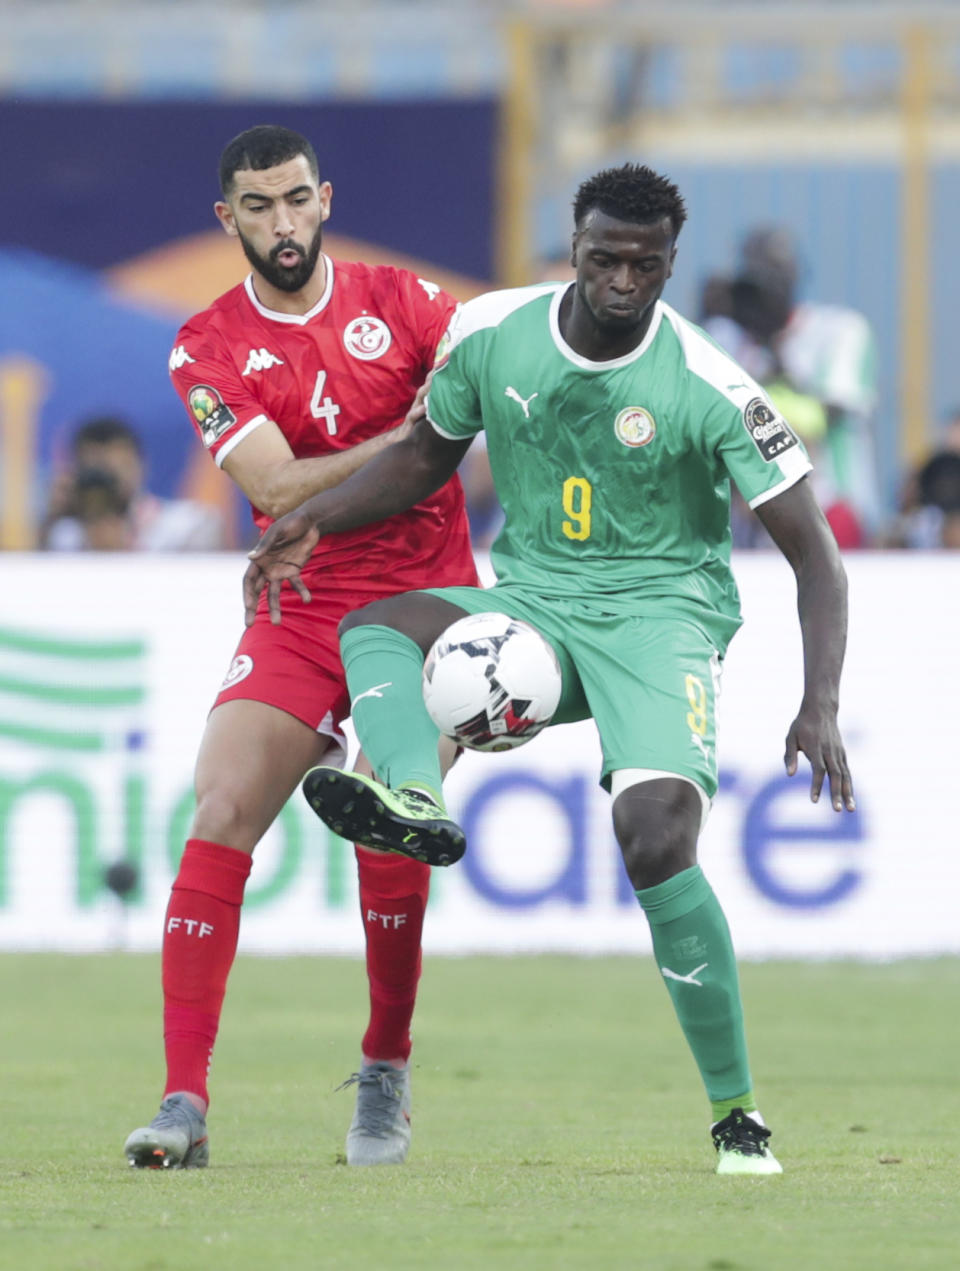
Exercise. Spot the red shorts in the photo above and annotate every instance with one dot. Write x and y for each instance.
(296, 665)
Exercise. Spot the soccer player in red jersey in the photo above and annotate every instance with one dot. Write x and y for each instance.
(293, 379)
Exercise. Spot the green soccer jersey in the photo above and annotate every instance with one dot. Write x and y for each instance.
(614, 476)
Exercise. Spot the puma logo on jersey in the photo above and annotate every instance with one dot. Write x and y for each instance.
(180, 357)
(260, 360)
(431, 288)
(523, 401)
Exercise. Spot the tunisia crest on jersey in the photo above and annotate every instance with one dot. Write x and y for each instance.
(366, 338)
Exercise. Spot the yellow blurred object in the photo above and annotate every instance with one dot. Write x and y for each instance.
(806, 415)
(23, 388)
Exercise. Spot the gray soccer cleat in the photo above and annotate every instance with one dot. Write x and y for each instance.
(176, 1138)
(404, 820)
(379, 1133)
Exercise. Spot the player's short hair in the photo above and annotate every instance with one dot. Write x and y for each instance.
(633, 193)
(263, 146)
(104, 430)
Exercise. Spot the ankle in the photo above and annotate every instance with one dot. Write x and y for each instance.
(421, 787)
(721, 1108)
(196, 1100)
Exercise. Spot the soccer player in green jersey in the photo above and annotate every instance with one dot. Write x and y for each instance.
(614, 428)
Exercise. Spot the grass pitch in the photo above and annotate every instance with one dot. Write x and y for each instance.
(558, 1122)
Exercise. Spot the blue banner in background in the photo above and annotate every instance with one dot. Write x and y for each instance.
(104, 181)
(92, 354)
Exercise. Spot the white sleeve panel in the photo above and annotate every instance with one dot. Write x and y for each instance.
(794, 465)
(232, 442)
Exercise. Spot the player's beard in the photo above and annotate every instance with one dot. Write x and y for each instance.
(285, 277)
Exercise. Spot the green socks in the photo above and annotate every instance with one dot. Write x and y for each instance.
(692, 946)
(384, 678)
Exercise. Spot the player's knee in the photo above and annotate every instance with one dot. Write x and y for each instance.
(657, 831)
(224, 816)
(652, 860)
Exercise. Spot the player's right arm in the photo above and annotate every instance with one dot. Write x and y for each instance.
(276, 482)
(245, 442)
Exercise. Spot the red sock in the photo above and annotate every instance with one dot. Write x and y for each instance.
(393, 897)
(199, 943)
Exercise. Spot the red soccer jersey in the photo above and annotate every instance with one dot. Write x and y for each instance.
(331, 378)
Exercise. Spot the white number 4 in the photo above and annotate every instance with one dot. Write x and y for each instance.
(324, 407)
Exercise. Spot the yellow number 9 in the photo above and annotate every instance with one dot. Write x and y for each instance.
(577, 496)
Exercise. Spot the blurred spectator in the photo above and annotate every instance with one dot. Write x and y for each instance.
(801, 349)
(716, 300)
(930, 505)
(99, 503)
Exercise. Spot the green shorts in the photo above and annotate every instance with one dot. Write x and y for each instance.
(649, 683)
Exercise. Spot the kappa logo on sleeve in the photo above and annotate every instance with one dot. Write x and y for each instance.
(260, 360)
(771, 433)
(211, 412)
(179, 357)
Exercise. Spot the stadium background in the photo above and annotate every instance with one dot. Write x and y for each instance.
(454, 138)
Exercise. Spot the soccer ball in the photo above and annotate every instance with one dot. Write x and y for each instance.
(491, 682)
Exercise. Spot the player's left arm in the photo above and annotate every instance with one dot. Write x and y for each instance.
(797, 525)
(392, 481)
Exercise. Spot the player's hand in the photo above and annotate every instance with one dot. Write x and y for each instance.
(417, 411)
(816, 733)
(283, 550)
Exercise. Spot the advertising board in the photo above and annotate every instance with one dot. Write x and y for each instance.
(108, 666)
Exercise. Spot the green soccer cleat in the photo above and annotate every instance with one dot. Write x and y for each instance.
(404, 820)
(176, 1138)
(379, 1133)
(741, 1145)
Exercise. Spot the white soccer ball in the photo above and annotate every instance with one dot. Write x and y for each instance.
(491, 682)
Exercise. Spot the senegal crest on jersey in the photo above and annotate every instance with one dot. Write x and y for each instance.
(634, 426)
